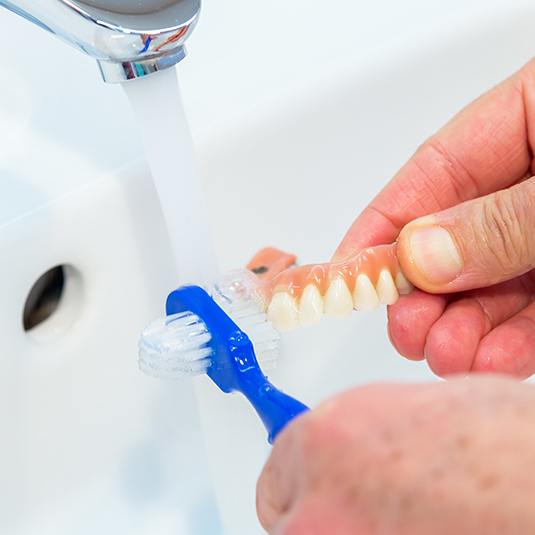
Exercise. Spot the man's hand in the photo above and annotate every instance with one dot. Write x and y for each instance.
(486, 245)
(443, 458)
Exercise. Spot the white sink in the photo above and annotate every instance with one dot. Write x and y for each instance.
(298, 124)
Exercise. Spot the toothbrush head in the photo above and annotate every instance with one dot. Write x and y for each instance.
(175, 346)
(198, 327)
(199, 336)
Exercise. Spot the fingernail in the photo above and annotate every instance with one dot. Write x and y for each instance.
(435, 255)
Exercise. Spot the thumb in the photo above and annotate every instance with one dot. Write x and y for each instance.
(472, 245)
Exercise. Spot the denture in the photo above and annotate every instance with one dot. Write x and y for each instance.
(300, 295)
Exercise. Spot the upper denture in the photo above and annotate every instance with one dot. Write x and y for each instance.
(299, 295)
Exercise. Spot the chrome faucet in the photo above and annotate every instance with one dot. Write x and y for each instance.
(128, 38)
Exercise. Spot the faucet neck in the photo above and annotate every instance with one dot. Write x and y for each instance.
(129, 40)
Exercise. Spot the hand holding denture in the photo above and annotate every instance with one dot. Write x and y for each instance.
(476, 251)
(460, 218)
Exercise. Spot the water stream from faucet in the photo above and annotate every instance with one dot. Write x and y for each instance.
(158, 108)
(157, 105)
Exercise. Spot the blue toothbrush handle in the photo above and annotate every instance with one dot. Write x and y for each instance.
(234, 366)
(275, 408)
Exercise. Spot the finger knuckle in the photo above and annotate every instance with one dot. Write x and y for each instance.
(269, 505)
(501, 221)
(300, 523)
(313, 434)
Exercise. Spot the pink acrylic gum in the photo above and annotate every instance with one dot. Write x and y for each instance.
(294, 279)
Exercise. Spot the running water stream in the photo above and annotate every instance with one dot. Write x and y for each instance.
(158, 108)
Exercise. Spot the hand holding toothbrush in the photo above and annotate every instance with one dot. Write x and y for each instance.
(453, 458)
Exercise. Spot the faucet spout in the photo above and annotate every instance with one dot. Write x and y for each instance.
(128, 39)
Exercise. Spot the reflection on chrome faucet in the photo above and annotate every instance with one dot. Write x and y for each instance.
(128, 39)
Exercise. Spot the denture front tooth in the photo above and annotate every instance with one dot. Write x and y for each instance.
(283, 312)
(365, 296)
(338, 301)
(310, 306)
(386, 289)
(404, 286)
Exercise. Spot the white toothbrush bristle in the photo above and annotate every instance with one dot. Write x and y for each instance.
(175, 346)
(178, 346)
(236, 295)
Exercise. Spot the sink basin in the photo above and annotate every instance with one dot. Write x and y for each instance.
(297, 125)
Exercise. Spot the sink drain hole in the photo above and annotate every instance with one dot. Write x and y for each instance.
(53, 301)
(44, 298)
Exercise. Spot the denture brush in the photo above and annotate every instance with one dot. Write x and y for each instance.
(200, 334)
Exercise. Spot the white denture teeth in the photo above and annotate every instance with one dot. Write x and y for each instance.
(283, 312)
(310, 306)
(403, 285)
(386, 289)
(365, 296)
(287, 312)
(338, 300)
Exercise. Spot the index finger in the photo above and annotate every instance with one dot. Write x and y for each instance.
(485, 148)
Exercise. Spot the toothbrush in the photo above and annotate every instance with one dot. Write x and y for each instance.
(198, 336)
